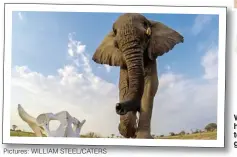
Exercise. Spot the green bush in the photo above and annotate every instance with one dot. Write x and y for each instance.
(91, 135)
(211, 127)
(172, 134)
(182, 133)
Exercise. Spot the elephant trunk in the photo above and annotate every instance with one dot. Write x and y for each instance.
(133, 55)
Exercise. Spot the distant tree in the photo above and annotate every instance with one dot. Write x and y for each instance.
(201, 131)
(14, 127)
(161, 135)
(182, 132)
(83, 136)
(112, 135)
(172, 134)
(196, 131)
(211, 127)
(92, 135)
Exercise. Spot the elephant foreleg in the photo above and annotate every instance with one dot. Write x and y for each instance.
(150, 89)
(127, 126)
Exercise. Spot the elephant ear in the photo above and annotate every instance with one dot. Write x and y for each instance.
(108, 53)
(162, 39)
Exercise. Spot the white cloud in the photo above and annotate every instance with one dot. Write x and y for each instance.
(70, 52)
(75, 47)
(81, 48)
(210, 63)
(107, 67)
(200, 22)
(20, 15)
(82, 94)
(76, 51)
(181, 103)
(211, 40)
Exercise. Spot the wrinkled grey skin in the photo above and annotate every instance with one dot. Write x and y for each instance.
(134, 44)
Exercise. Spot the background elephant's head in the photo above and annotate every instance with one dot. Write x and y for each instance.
(133, 36)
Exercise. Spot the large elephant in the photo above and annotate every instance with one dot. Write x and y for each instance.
(134, 44)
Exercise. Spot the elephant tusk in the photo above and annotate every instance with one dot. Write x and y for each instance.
(148, 31)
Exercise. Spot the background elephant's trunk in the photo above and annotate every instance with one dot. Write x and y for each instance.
(133, 55)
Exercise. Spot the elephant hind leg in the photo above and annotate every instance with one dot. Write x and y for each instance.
(128, 122)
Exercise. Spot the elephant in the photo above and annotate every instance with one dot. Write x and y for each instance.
(133, 44)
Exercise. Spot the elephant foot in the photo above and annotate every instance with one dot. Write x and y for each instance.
(143, 135)
(127, 132)
(123, 108)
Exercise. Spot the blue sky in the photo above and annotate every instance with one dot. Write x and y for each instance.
(46, 78)
(44, 36)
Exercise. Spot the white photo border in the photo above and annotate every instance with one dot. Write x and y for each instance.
(9, 8)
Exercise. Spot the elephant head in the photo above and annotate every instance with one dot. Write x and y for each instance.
(133, 42)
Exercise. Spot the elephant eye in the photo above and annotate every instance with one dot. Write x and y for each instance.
(115, 44)
(145, 24)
